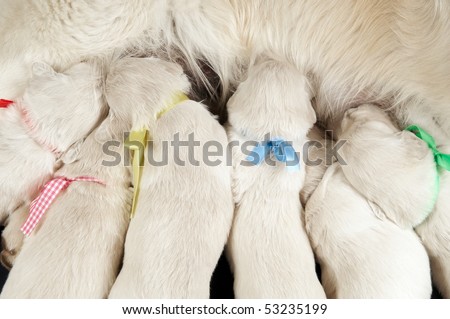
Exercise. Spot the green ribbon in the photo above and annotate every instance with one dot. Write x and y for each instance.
(442, 160)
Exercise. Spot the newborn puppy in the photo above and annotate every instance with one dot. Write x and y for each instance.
(77, 248)
(435, 230)
(392, 168)
(184, 211)
(56, 112)
(316, 166)
(362, 255)
(270, 253)
(435, 234)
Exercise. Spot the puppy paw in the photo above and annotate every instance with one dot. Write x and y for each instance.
(7, 256)
(12, 242)
(12, 236)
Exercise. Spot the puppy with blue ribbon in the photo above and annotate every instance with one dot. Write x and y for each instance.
(281, 150)
(435, 230)
(269, 117)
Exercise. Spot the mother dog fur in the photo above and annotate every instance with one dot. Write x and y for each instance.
(357, 51)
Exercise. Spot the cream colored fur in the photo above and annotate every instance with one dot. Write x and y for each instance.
(392, 168)
(435, 234)
(434, 231)
(391, 51)
(269, 251)
(184, 212)
(63, 108)
(12, 236)
(77, 248)
(362, 255)
(314, 171)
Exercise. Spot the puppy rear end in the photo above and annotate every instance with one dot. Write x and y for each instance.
(184, 212)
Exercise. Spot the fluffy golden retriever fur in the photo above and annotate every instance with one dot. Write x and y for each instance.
(268, 248)
(393, 52)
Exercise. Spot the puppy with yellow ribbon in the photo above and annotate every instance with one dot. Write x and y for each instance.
(269, 250)
(182, 206)
(76, 228)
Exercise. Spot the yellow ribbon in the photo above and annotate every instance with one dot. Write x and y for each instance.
(137, 145)
(176, 99)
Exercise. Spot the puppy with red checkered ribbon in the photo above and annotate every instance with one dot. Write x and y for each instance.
(76, 228)
(269, 251)
(42, 129)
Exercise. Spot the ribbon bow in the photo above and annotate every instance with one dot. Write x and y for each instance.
(442, 159)
(136, 143)
(5, 103)
(47, 196)
(282, 151)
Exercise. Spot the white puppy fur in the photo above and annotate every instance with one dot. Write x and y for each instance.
(57, 111)
(76, 250)
(13, 237)
(269, 251)
(435, 231)
(392, 51)
(361, 255)
(394, 169)
(317, 165)
(435, 234)
(184, 212)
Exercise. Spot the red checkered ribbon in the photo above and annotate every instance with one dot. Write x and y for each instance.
(5, 103)
(47, 196)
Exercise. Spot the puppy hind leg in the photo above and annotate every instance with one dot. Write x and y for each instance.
(12, 236)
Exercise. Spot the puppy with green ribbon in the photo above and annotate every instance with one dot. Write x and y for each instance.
(182, 204)
(393, 169)
(362, 254)
(405, 176)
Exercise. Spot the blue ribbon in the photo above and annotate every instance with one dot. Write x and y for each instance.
(282, 151)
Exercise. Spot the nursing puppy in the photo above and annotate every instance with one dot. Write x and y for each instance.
(393, 169)
(317, 163)
(77, 248)
(56, 112)
(184, 210)
(13, 237)
(362, 254)
(270, 253)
